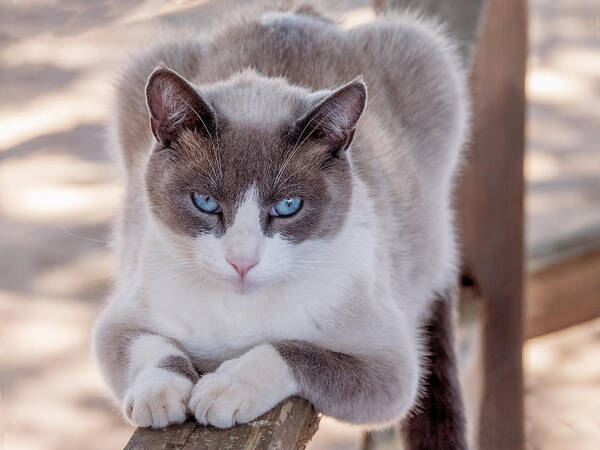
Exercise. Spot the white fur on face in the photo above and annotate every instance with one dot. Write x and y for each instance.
(278, 259)
(244, 240)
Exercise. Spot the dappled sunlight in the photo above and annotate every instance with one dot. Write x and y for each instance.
(152, 9)
(574, 353)
(550, 202)
(59, 194)
(562, 165)
(92, 57)
(358, 16)
(59, 189)
(78, 276)
(583, 62)
(563, 388)
(85, 102)
(55, 397)
(58, 168)
(563, 215)
(62, 51)
(336, 436)
(541, 166)
(41, 328)
(555, 86)
(77, 204)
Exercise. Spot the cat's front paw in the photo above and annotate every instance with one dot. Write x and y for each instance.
(157, 398)
(243, 388)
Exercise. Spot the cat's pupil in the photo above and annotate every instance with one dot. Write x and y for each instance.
(286, 206)
(206, 203)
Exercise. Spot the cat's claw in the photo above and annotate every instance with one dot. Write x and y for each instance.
(158, 398)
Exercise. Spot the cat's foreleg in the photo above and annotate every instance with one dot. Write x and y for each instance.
(357, 389)
(243, 388)
(368, 390)
(150, 374)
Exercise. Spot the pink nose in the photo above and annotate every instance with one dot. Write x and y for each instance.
(242, 265)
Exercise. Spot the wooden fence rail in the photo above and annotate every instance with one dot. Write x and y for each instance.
(289, 426)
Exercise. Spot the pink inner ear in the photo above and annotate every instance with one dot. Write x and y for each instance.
(346, 105)
(175, 105)
(334, 118)
(161, 130)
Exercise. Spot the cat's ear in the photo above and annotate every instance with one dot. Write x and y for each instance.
(332, 120)
(175, 105)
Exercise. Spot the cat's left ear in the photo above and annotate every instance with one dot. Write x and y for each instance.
(175, 105)
(332, 120)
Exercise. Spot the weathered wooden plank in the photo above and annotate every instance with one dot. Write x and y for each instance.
(289, 426)
(563, 294)
(172, 437)
(563, 249)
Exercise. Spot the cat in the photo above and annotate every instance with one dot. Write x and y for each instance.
(287, 226)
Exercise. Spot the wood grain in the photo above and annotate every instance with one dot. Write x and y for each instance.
(491, 222)
(288, 426)
(563, 295)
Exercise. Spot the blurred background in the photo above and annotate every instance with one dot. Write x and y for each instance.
(59, 193)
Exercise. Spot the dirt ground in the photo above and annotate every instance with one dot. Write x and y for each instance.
(59, 193)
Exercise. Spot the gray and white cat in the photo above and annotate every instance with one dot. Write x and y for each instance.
(283, 235)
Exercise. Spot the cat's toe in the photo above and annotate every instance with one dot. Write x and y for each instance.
(136, 411)
(223, 411)
(219, 400)
(204, 395)
(242, 389)
(157, 399)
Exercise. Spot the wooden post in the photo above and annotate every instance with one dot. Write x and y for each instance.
(289, 426)
(491, 198)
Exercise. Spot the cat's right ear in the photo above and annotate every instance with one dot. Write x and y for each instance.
(175, 105)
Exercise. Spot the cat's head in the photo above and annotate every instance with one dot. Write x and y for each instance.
(250, 178)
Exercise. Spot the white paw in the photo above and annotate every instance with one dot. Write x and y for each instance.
(242, 389)
(157, 398)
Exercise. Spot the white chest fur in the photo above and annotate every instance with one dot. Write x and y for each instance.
(212, 321)
(216, 324)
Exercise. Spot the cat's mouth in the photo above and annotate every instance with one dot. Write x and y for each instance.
(242, 285)
(239, 285)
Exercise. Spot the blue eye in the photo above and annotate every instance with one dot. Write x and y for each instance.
(287, 207)
(206, 203)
